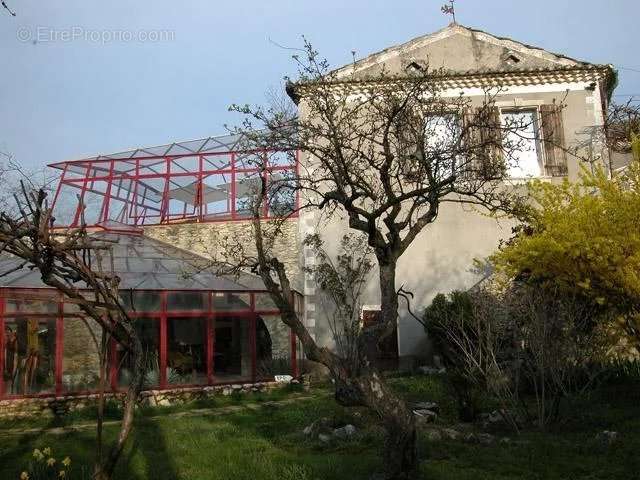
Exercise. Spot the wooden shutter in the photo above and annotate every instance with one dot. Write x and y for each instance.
(470, 141)
(555, 161)
(489, 125)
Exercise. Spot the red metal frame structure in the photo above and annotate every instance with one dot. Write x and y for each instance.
(65, 312)
(204, 180)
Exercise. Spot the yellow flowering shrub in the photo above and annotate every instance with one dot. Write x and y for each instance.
(584, 237)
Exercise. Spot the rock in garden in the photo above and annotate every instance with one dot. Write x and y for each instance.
(425, 415)
(434, 435)
(324, 438)
(433, 406)
(431, 370)
(607, 437)
(450, 434)
(481, 438)
(345, 432)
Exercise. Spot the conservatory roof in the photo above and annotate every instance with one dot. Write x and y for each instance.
(232, 142)
(217, 144)
(144, 263)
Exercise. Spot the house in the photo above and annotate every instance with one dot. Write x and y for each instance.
(169, 205)
(532, 83)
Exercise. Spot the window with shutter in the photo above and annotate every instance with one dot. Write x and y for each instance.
(522, 140)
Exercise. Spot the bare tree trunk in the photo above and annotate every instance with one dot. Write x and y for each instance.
(106, 469)
(101, 399)
(400, 449)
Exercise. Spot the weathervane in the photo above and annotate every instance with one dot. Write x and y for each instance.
(450, 9)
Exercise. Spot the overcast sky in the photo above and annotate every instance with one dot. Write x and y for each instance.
(64, 98)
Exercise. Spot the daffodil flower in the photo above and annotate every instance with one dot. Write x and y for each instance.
(24, 476)
(62, 474)
(47, 451)
(66, 462)
(51, 462)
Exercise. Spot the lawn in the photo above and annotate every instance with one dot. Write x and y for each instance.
(263, 439)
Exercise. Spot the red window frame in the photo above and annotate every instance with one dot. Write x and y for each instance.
(249, 314)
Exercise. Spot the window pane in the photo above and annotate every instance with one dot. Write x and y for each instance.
(186, 351)
(30, 346)
(264, 302)
(273, 346)
(149, 331)
(521, 143)
(441, 133)
(232, 357)
(225, 301)
(81, 357)
(141, 301)
(27, 305)
(187, 301)
(281, 193)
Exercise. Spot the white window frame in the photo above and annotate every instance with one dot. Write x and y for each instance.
(505, 110)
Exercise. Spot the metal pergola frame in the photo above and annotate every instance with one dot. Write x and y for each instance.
(174, 183)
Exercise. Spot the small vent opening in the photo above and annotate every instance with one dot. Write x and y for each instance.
(513, 59)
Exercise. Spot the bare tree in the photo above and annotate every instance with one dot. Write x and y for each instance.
(387, 152)
(343, 281)
(72, 263)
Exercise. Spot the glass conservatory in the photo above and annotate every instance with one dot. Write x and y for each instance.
(197, 328)
(206, 180)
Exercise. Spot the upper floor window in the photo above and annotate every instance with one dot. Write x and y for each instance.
(522, 140)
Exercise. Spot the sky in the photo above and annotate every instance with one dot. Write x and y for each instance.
(84, 77)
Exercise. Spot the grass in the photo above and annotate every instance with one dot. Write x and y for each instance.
(267, 443)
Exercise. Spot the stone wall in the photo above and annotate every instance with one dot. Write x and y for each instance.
(206, 239)
(81, 359)
(52, 406)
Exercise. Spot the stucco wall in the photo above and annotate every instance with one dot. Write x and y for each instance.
(441, 257)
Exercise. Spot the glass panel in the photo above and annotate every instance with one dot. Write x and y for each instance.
(64, 209)
(70, 307)
(26, 306)
(186, 350)
(273, 346)
(81, 355)
(30, 346)
(187, 301)
(282, 193)
(264, 302)
(282, 159)
(149, 331)
(226, 301)
(522, 144)
(216, 196)
(184, 196)
(248, 185)
(217, 162)
(93, 200)
(441, 133)
(232, 351)
(141, 300)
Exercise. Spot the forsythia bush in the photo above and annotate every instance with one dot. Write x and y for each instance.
(584, 238)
